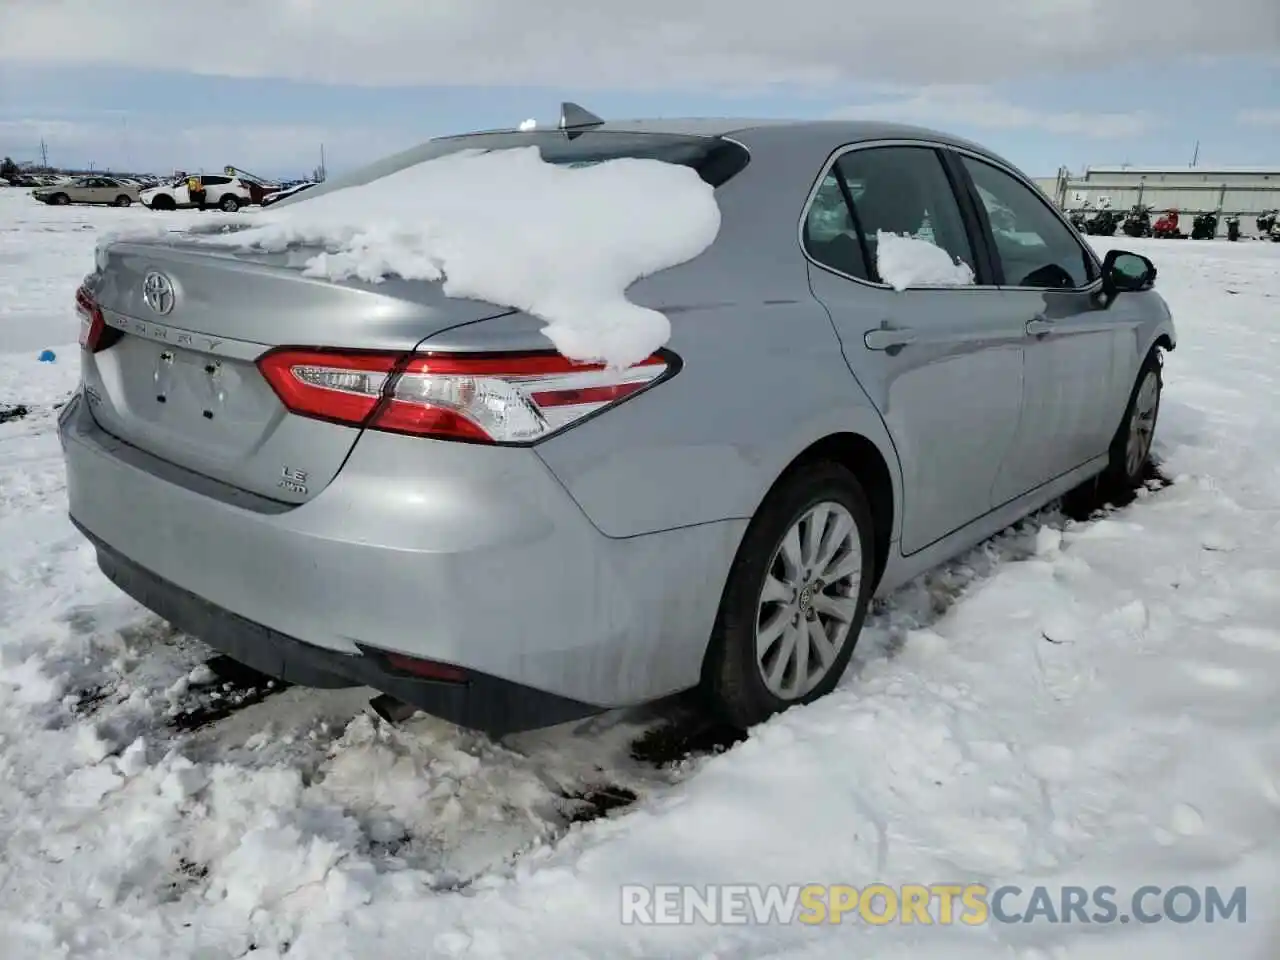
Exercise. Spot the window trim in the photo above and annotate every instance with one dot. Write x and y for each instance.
(843, 184)
(989, 234)
(939, 150)
(979, 223)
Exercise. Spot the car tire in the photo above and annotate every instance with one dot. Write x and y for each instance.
(1130, 451)
(229, 204)
(163, 203)
(770, 610)
(59, 200)
(122, 201)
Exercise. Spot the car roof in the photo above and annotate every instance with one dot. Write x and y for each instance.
(833, 131)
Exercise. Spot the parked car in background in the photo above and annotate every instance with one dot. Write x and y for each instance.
(382, 485)
(259, 187)
(106, 190)
(221, 192)
(260, 191)
(286, 193)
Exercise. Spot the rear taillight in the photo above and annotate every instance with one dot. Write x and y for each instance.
(95, 335)
(492, 398)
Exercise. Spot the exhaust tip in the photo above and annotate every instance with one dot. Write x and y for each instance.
(391, 710)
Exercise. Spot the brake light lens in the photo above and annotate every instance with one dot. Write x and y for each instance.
(488, 398)
(95, 335)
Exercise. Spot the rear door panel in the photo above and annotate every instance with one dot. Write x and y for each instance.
(950, 398)
(942, 364)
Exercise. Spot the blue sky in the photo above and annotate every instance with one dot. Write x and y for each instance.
(114, 114)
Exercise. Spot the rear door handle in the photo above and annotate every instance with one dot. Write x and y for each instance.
(888, 338)
(1039, 327)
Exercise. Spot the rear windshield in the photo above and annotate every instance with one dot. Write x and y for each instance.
(715, 159)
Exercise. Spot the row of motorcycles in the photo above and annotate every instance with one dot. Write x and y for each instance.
(1104, 223)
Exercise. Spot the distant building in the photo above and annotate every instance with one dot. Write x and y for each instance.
(1242, 191)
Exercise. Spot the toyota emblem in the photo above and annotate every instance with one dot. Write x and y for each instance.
(157, 292)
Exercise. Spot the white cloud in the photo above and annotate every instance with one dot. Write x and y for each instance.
(594, 43)
(1262, 117)
(272, 150)
(975, 106)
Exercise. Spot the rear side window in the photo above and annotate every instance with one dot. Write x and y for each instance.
(830, 233)
(215, 181)
(900, 190)
(905, 190)
(1035, 247)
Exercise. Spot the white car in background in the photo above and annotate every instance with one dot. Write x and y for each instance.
(221, 192)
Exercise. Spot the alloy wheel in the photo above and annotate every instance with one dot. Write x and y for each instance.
(809, 600)
(1142, 423)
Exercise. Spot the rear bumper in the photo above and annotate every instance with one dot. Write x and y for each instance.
(480, 702)
(462, 554)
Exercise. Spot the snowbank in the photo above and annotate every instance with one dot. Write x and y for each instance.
(905, 261)
(561, 243)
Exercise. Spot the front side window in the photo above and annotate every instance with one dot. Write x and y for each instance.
(1036, 249)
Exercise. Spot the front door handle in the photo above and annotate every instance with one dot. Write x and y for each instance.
(1039, 327)
(888, 338)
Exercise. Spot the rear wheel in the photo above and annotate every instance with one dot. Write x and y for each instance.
(229, 203)
(796, 597)
(1131, 448)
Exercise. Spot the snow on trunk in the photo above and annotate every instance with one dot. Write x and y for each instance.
(562, 243)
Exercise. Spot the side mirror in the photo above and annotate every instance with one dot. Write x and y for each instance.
(1124, 272)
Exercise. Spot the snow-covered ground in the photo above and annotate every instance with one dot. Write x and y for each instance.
(1077, 703)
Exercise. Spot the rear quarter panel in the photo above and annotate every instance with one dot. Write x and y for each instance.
(758, 384)
(762, 376)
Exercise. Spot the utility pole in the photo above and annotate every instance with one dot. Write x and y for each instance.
(124, 144)
(1196, 155)
(44, 154)
(322, 170)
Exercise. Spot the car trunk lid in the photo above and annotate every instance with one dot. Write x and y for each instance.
(188, 320)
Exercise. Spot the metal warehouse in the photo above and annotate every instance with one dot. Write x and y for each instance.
(1242, 191)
